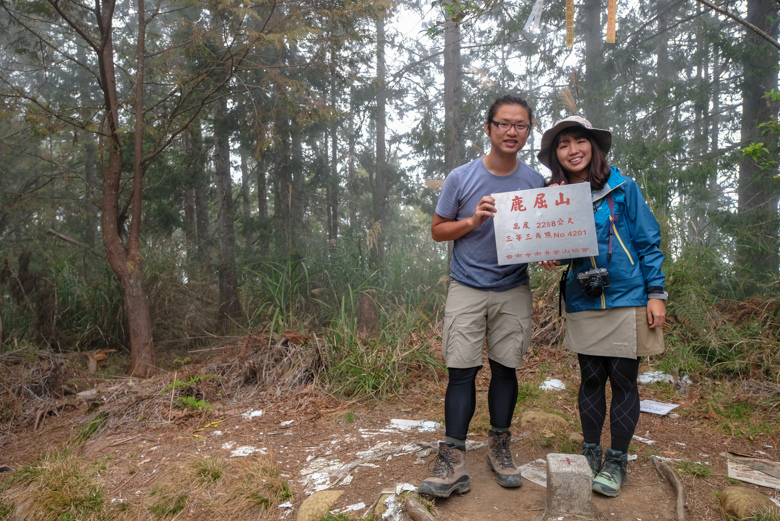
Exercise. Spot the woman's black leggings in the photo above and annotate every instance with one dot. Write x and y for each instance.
(624, 409)
(460, 400)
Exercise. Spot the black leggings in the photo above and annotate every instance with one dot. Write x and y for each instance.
(624, 409)
(460, 400)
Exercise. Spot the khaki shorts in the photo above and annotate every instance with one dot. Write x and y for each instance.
(472, 315)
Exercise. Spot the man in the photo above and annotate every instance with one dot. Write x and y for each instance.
(484, 301)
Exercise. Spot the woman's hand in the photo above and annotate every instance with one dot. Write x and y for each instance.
(549, 264)
(656, 313)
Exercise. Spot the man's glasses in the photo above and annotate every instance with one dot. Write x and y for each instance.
(504, 126)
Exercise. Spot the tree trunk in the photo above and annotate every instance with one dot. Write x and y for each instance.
(380, 181)
(90, 181)
(282, 185)
(263, 226)
(757, 243)
(246, 211)
(595, 75)
(454, 153)
(332, 190)
(229, 305)
(200, 185)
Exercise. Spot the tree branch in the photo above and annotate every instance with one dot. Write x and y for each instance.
(741, 20)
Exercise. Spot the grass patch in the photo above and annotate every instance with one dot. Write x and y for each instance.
(693, 469)
(382, 365)
(766, 514)
(739, 418)
(251, 486)
(209, 470)
(167, 504)
(57, 486)
(85, 432)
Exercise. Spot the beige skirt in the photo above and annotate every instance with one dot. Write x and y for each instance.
(620, 332)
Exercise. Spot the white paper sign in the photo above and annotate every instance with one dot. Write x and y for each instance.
(545, 224)
(653, 407)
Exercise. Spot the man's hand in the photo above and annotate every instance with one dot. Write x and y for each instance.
(656, 313)
(484, 210)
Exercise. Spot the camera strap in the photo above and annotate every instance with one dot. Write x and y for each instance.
(562, 286)
(611, 203)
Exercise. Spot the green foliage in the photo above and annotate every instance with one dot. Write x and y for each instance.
(759, 152)
(281, 291)
(694, 469)
(85, 432)
(193, 404)
(382, 365)
(191, 382)
(189, 394)
(718, 337)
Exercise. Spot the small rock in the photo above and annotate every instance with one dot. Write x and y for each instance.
(318, 504)
(742, 502)
(543, 420)
(576, 437)
(88, 396)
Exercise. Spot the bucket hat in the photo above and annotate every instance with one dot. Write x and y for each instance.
(603, 137)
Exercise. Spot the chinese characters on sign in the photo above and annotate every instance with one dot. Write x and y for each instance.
(545, 224)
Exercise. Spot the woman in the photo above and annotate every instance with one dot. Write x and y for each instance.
(614, 301)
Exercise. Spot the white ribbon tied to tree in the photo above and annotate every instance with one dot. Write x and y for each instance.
(533, 24)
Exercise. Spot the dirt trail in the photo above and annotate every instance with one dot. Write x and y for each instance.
(354, 447)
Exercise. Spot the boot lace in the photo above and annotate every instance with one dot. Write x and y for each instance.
(502, 454)
(593, 457)
(612, 466)
(443, 464)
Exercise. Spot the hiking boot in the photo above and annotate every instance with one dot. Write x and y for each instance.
(499, 459)
(613, 474)
(594, 454)
(449, 473)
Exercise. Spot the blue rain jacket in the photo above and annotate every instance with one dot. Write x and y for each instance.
(636, 254)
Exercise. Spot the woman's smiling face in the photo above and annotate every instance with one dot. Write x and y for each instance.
(574, 155)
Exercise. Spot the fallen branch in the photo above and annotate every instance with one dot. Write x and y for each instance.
(416, 511)
(40, 415)
(668, 474)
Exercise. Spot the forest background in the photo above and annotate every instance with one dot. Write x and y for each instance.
(213, 169)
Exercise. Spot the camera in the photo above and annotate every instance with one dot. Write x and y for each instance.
(593, 281)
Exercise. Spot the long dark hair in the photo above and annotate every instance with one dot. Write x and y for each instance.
(598, 169)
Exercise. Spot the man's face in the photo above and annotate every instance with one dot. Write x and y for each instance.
(508, 141)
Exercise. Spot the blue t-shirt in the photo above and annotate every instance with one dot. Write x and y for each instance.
(475, 260)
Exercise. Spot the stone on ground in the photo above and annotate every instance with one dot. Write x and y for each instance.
(743, 503)
(318, 504)
(569, 485)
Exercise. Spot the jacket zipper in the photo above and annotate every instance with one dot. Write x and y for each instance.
(621, 242)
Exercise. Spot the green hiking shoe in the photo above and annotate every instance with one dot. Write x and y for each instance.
(594, 454)
(613, 474)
